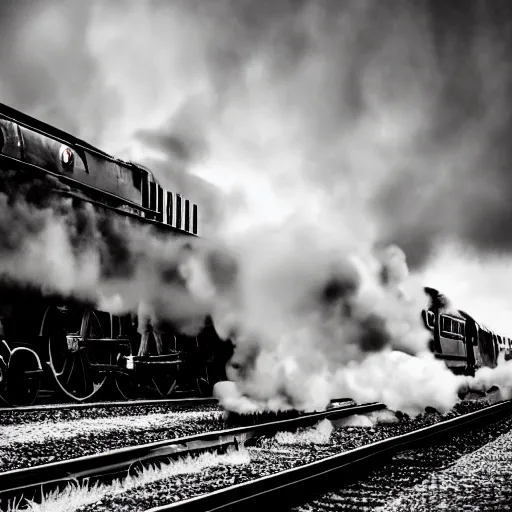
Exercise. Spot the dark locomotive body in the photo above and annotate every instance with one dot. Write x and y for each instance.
(459, 340)
(58, 343)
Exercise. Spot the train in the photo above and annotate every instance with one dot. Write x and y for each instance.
(50, 343)
(463, 343)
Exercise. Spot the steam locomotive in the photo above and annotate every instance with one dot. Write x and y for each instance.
(50, 342)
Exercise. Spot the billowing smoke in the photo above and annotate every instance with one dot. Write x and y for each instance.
(486, 378)
(330, 130)
(348, 95)
(326, 323)
(61, 246)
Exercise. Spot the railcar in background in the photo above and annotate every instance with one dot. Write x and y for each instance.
(57, 343)
(459, 340)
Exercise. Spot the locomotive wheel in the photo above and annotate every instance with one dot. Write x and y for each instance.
(128, 385)
(162, 383)
(128, 388)
(159, 382)
(70, 367)
(16, 387)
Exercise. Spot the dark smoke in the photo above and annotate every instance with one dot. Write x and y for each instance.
(464, 190)
(442, 66)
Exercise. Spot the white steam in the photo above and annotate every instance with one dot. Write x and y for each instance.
(115, 264)
(500, 376)
(298, 346)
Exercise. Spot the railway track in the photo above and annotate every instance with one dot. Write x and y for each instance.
(296, 486)
(34, 482)
(171, 402)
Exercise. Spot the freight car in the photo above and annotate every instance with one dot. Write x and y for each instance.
(67, 345)
(458, 339)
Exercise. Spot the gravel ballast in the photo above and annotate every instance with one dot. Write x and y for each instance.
(54, 415)
(478, 481)
(267, 457)
(33, 444)
(419, 469)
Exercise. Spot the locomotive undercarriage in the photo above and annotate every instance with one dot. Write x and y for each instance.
(81, 353)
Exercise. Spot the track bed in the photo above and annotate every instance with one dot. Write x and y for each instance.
(179, 481)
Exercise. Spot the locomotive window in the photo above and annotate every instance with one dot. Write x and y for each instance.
(452, 326)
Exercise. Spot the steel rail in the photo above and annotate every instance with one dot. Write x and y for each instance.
(295, 486)
(110, 404)
(32, 483)
(178, 402)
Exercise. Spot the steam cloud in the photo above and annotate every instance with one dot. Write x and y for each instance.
(486, 378)
(343, 326)
(61, 246)
(328, 131)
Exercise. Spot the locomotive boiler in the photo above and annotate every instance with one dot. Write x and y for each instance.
(50, 341)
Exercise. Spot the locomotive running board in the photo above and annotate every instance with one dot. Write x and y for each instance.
(132, 362)
(75, 342)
